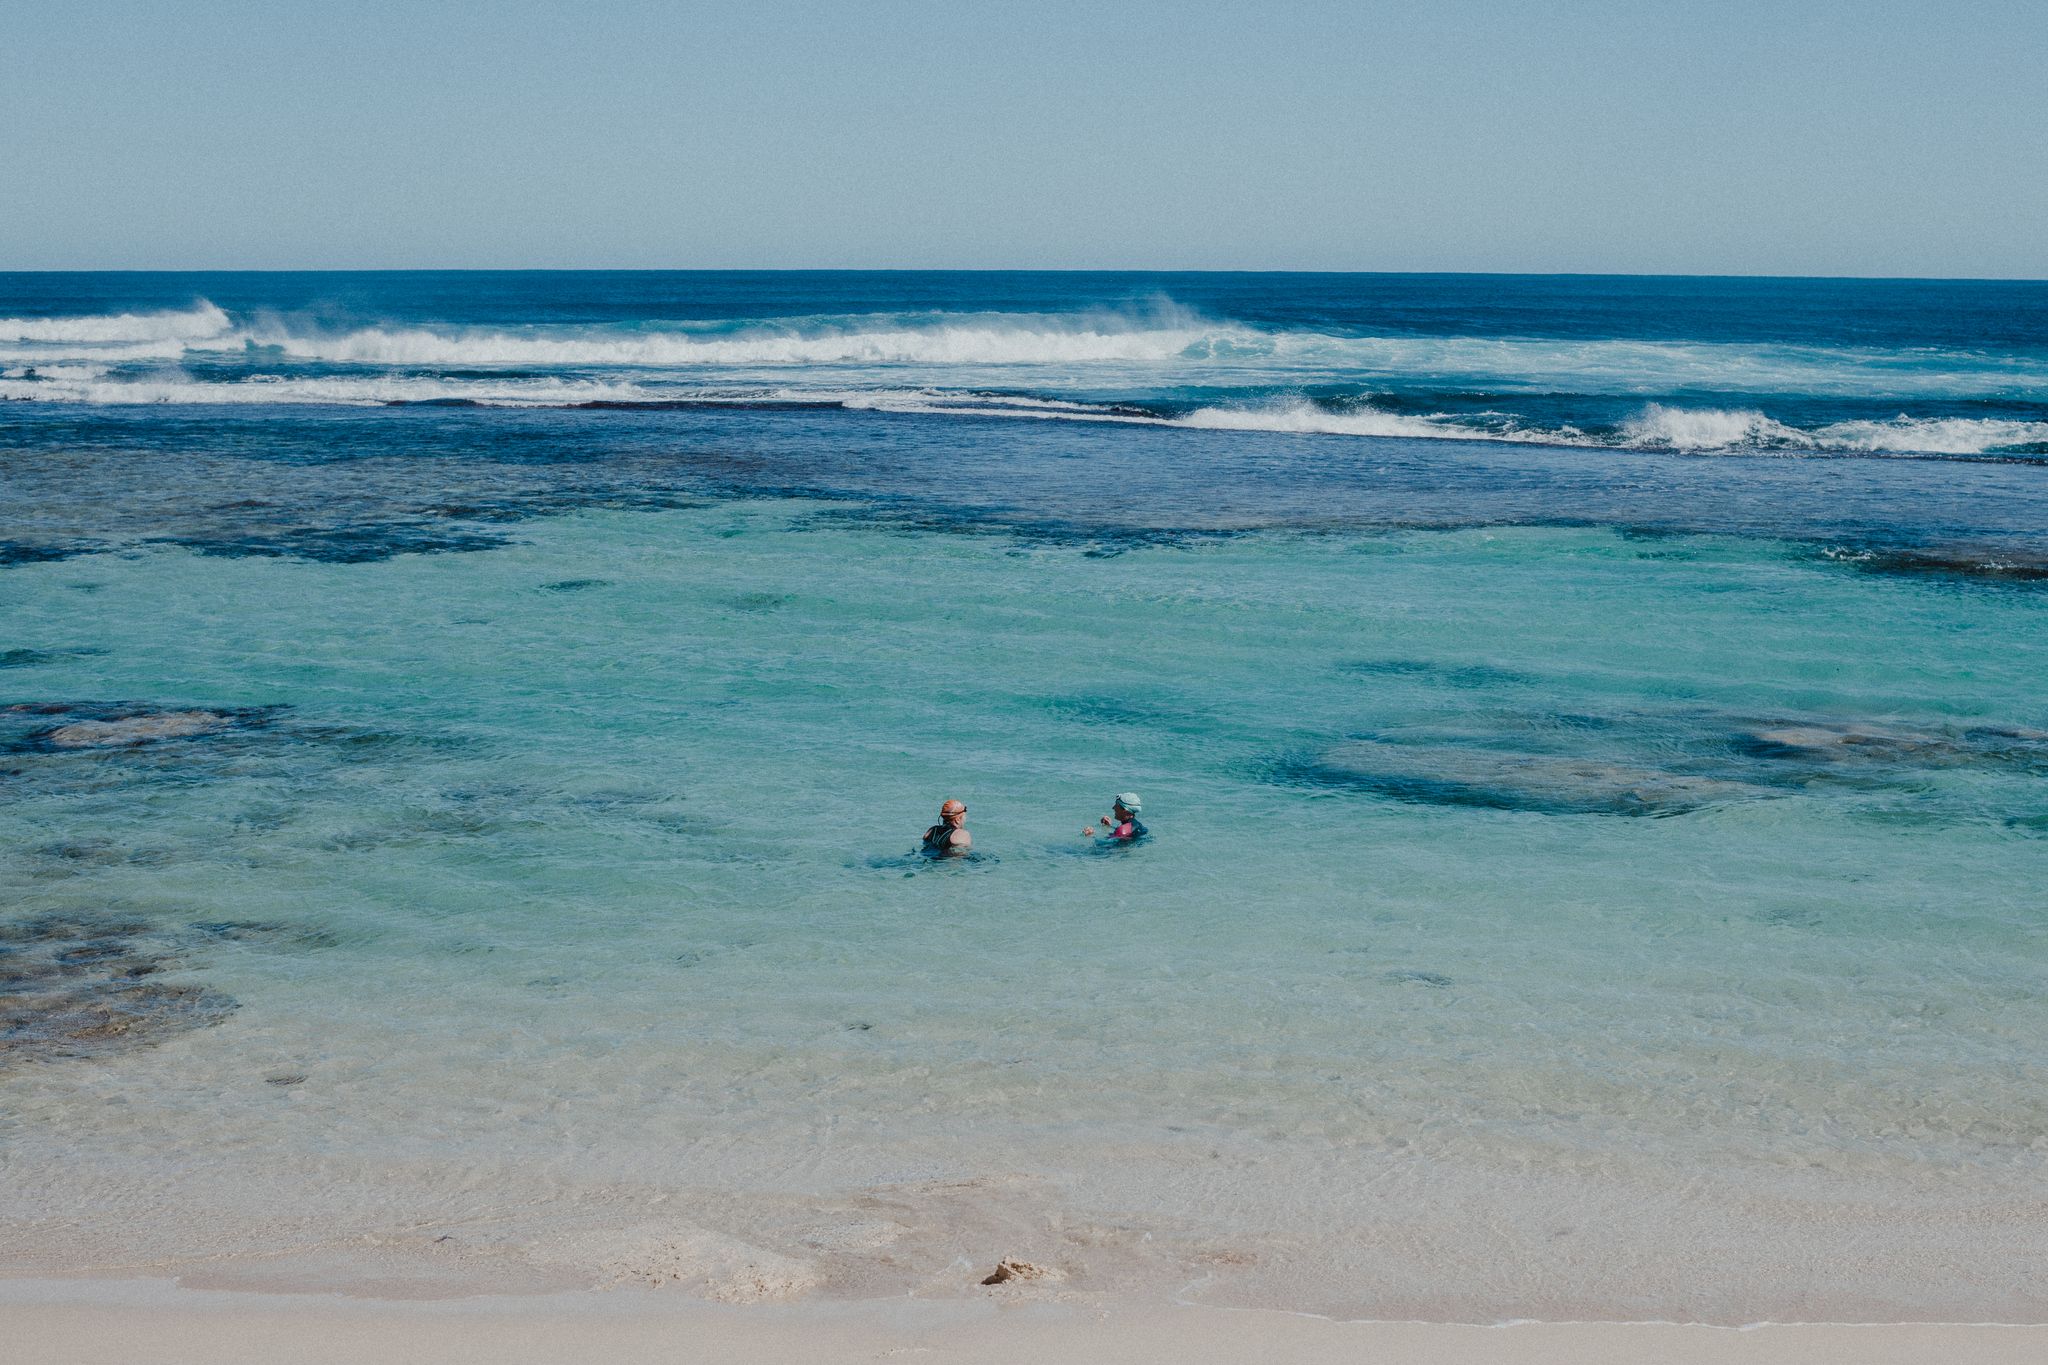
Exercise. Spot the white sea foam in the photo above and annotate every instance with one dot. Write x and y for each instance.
(948, 344)
(198, 323)
(1305, 417)
(1191, 348)
(1648, 368)
(1666, 428)
(938, 363)
(1159, 334)
(42, 355)
(1658, 427)
(1933, 435)
(66, 372)
(86, 387)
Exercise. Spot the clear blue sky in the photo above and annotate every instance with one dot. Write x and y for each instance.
(1723, 136)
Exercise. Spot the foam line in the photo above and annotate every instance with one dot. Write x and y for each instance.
(198, 323)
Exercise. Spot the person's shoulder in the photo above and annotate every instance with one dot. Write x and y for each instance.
(960, 838)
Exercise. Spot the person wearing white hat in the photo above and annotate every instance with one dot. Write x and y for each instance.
(1122, 821)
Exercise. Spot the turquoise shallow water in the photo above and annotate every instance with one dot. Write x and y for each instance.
(622, 814)
(1586, 879)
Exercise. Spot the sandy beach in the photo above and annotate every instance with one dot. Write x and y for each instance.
(64, 1321)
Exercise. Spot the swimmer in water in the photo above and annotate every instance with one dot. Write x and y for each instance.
(948, 838)
(1122, 821)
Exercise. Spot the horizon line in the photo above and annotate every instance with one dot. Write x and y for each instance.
(1007, 270)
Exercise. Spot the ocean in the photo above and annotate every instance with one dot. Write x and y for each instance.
(464, 739)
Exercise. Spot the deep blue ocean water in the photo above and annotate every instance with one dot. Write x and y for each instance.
(1591, 732)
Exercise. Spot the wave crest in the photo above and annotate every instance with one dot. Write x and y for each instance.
(1300, 415)
(1662, 428)
(964, 344)
(1164, 359)
(201, 322)
(1691, 429)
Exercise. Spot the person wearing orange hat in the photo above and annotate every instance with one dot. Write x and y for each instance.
(949, 838)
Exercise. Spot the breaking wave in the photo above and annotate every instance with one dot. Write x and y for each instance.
(876, 339)
(1163, 334)
(952, 343)
(1310, 418)
(1658, 427)
(1165, 366)
(85, 386)
(1698, 429)
(199, 323)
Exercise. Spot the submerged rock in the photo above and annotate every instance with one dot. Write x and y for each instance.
(1455, 774)
(266, 933)
(1969, 562)
(760, 601)
(1477, 677)
(1658, 762)
(106, 734)
(1434, 980)
(75, 1023)
(72, 985)
(1825, 744)
(126, 725)
(1843, 739)
(1009, 1270)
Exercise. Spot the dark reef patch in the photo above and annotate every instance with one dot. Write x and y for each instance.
(33, 658)
(76, 985)
(1107, 709)
(902, 516)
(1504, 779)
(1974, 564)
(13, 552)
(65, 858)
(355, 484)
(61, 727)
(265, 934)
(1474, 676)
(575, 584)
(91, 749)
(760, 601)
(89, 982)
(1810, 747)
(1433, 980)
(346, 500)
(361, 544)
(1654, 763)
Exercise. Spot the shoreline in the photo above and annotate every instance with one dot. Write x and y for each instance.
(92, 1318)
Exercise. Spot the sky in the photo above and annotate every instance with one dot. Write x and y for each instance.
(1800, 137)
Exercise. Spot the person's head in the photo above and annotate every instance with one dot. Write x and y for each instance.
(953, 813)
(1127, 805)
